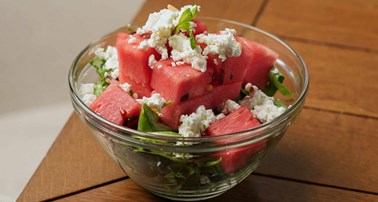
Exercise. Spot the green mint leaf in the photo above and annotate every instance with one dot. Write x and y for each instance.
(278, 103)
(149, 121)
(184, 24)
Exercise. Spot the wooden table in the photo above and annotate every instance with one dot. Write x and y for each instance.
(329, 154)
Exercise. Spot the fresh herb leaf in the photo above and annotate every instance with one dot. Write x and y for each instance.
(184, 24)
(276, 79)
(278, 103)
(242, 94)
(149, 121)
(100, 86)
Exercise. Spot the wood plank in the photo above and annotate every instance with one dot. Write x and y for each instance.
(254, 188)
(328, 148)
(75, 161)
(340, 79)
(238, 10)
(350, 22)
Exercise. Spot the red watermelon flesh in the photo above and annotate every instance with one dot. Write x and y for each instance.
(115, 104)
(133, 62)
(215, 63)
(179, 83)
(172, 112)
(263, 60)
(235, 67)
(200, 28)
(140, 89)
(239, 120)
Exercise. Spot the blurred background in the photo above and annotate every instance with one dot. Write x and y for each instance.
(39, 40)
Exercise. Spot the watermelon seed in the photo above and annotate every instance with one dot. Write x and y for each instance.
(209, 87)
(184, 97)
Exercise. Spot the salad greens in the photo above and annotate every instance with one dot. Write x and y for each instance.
(102, 84)
(184, 24)
(148, 121)
(275, 83)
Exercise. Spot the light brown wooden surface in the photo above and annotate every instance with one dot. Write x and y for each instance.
(350, 23)
(328, 154)
(254, 188)
(75, 161)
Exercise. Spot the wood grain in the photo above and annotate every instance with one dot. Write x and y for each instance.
(350, 22)
(340, 79)
(254, 188)
(74, 162)
(328, 148)
(246, 10)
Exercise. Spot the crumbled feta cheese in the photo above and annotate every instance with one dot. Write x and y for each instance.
(159, 66)
(151, 61)
(87, 92)
(135, 95)
(223, 44)
(160, 25)
(181, 50)
(143, 45)
(230, 106)
(204, 179)
(180, 63)
(215, 61)
(132, 39)
(125, 86)
(154, 101)
(262, 106)
(88, 99)
(220, 116)
(111, 60)
(173, 64)
(87, 88)
(196, 123)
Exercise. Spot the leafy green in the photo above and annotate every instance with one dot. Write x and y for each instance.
(242, 94)
(102, 84)
(275, 83)
(184, 24)
(149, 121)
(278, 103)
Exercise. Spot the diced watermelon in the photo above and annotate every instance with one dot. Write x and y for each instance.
(234, 68)
(172, 112)
(262, 61)
(179, 83)
(115, 104)
(142, 91)
(133, 62)
(200, 28)
(239, 120)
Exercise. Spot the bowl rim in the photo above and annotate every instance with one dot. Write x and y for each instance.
(260, 131)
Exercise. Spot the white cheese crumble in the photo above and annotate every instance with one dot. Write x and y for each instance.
(154, 101)
(230, 106)
(196, 123)
(111, 60)
(223, 44)
(151, 61)
(181, 50)
(87, 92)
(132, 39)
(126, 87)
(143, 45)
(261, 105)
(204, 179)
(160, 25)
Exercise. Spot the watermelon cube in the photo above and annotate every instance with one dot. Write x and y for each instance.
(172, 112)
(258, 69)
(239, 120)
(133, 62)
(115, 104)
(234, 68)
(179, 83)
(140, 89)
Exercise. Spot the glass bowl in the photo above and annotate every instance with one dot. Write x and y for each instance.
(193, 171)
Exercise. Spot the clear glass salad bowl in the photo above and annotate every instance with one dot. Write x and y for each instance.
(192, 169)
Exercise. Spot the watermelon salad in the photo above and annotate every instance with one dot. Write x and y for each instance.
(171, 76)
